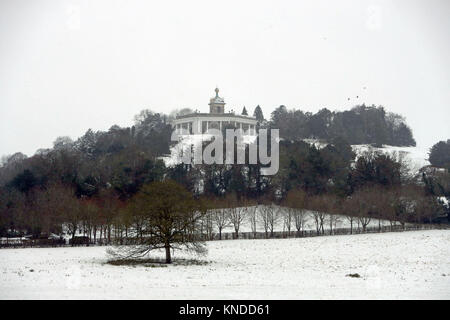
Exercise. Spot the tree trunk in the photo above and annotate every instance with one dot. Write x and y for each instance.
(168, 258)
(73, 236)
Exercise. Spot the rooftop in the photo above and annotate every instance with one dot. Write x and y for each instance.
(199, 114)
(216, 110)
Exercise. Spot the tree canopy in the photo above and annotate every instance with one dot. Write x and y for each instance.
(360, 125)
(170, 216)
(440, 154)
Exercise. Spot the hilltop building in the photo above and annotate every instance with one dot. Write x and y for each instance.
(200, 123)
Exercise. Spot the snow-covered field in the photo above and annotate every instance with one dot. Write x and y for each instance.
(391, 265)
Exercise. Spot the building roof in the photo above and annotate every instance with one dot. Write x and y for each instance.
(205, 115)
(216, 102)
(216, 99)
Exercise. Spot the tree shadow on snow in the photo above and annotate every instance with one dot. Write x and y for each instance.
(156, 262)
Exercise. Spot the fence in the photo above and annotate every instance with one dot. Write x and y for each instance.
(30, 243)
(327, 232)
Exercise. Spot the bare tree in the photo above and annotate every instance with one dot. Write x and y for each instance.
(296, 199)
(350, 219)
(364, 222)
(333, 220)
(49, 206)
(348, 212)
(220, 217)
(318, 218)
(288, 215)
(269, 216)
(253, 219)
(237, 210)
(109, 204)
(73, 216)
(221, 220)
(208, 221)
(90, 213)
(300, 218)
(316, 205)
(332, 206)
(363, 205)
(263, 218)
(172, 217)
(351, 210)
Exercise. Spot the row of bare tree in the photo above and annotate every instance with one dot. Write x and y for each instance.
(397, 205)
(56, 209)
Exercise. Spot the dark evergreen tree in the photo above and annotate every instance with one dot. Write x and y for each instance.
(258, 114)
(25, 181)
(360, 125)
(319, 124)
(440, 154)
(376, 169)
(403, 136)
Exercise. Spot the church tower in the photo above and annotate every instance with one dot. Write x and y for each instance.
(216, 104)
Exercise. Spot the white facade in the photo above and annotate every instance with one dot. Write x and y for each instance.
(200, 123)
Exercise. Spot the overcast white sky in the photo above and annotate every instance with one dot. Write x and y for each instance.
(67, 66)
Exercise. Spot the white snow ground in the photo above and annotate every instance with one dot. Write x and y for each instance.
(407, 265)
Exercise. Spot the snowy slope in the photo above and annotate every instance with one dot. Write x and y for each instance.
(416, 157)
(389, 265)
(195, 141)
(176, 151)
